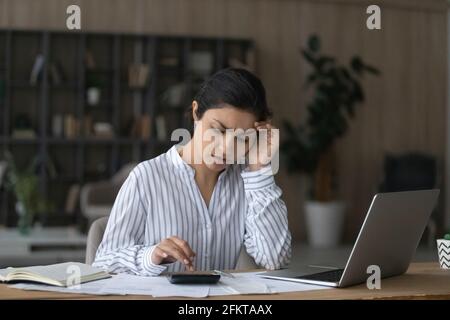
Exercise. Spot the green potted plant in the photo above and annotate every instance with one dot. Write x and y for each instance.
(25, 186)
(444, 251)
(310, 146)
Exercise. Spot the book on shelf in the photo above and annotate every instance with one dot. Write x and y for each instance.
(71, 126)
(61, 274)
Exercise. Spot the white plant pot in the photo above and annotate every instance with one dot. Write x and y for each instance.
(325, 223)
(444, 253)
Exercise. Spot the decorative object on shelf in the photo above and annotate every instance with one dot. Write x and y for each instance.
(71, 126)
(443, 246)
(94, 84)
(89, 60)
(36, 72)
(93, 95)
(25, 186)
(141, 127)
(138, 74)
(103, 130)
(175, 95)
(58, 125)
(169, 61)
(309, 148)
(23, 128)
(201, 62)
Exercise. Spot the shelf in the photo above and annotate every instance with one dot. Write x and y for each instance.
(170, 71)
(10, 140)
(63, 86)
(94, 140)
(167, 57)
(100, 106)
(100, 70)
(64, 179)
(25, 85)
(61, 140)
(125, 87)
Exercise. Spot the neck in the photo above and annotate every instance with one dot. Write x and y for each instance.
(202, 172)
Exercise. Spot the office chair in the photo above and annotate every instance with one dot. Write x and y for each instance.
(98, 228)
(411, 171)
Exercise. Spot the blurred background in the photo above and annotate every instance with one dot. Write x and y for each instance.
(361, 111)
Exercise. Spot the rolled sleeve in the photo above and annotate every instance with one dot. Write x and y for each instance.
(147, 263)
(258, 179)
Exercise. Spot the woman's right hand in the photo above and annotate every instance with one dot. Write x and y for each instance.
(173, 249)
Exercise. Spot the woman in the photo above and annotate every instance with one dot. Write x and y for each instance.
(174, 213)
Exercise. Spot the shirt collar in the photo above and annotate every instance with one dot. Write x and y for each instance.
(176, 159)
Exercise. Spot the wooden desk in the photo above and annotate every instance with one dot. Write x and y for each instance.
(422, 281)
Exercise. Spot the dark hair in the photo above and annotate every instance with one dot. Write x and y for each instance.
(237, 87)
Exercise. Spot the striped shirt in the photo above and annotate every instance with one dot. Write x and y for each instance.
(160, 199)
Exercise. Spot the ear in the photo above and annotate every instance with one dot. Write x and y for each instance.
(194, 110)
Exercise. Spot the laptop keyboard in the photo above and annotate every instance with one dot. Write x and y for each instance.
(328, 276)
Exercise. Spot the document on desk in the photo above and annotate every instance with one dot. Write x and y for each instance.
(125, 284)
(250, 283)
(155, 286)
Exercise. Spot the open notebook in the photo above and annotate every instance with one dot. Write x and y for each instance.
(61, 274)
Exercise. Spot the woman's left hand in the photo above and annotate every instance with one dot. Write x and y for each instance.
(271, 140)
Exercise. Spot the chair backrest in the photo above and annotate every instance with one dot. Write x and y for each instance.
(97, 230)
(94, 238)
(407, 172)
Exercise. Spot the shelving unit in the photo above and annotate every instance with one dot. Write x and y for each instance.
(82, 158)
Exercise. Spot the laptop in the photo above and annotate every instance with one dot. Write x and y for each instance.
(388, 238)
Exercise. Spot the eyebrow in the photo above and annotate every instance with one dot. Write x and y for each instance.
(221, 124)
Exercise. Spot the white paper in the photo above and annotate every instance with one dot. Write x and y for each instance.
(155, 286)
(251, 283)
(125, 284)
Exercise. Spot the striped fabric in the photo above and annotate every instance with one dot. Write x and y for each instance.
(160, 198)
